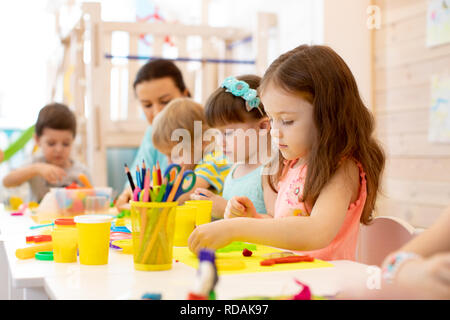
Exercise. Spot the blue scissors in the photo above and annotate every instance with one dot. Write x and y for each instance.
(188, 174)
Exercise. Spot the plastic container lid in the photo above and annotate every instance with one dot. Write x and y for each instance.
(44, 255)
(39, 238)
(93, 218)
(64, 222)
(152, 296)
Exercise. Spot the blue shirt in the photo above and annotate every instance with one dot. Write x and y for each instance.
(249, 186)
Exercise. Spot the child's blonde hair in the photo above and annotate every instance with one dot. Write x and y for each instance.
(180, 113)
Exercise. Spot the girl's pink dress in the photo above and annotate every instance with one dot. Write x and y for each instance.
(343, 246)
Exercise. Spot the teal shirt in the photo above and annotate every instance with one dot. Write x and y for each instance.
(149, 154)
(249, 186)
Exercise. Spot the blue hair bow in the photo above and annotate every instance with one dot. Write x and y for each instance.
(241, 88)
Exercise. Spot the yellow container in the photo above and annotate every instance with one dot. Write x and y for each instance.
(204, 209)
(184, 224)
(125, 244)
(153, 225)
(93, 238)
(15, 203)
(65, 239)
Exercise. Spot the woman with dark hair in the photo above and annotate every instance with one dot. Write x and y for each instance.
(156, 84)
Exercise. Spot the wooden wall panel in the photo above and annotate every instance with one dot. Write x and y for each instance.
(416, 181)
(401, 99)
(414, 74)
(418, 168)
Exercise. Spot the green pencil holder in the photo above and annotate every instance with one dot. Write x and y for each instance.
(153, 226)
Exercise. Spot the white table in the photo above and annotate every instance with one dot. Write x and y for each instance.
(33, 279)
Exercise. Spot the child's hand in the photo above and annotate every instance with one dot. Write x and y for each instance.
(203, 194)
(213, 235)
(51, 173)
(124, 199)
(240, 207)
(430, 275)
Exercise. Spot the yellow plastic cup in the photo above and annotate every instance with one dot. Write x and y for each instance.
(204, 209)
(15, 203)
(65, 239)
(184, 224)
(153, 226)
(93, 238)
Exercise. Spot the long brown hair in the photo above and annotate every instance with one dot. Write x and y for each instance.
(344, 125)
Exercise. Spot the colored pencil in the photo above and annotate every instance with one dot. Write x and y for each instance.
(158, 171)
(130, 179)
(162, 217)
(138, 177)
(146, 185)
(155, 177)
(143, 173)
(161, 192)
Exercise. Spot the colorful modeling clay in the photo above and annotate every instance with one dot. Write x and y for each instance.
(29, 252)
(73, 185)
(39, 238)
(44, 255)
(237, 246)
(247, 253)
(274, 255)
(290, 259)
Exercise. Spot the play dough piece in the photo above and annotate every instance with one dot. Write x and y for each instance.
(268, 262)
(125, 244)
(247, 253)
(44, 255)
(274, 255)
(237, 246)
(29, 252)
(290, 259)
(229, 264)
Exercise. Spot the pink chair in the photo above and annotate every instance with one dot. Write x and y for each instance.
(383, 236)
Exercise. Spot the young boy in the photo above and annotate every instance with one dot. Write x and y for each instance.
(55, 132)
(182, 113)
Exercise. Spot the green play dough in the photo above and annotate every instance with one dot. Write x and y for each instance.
(237, 246)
